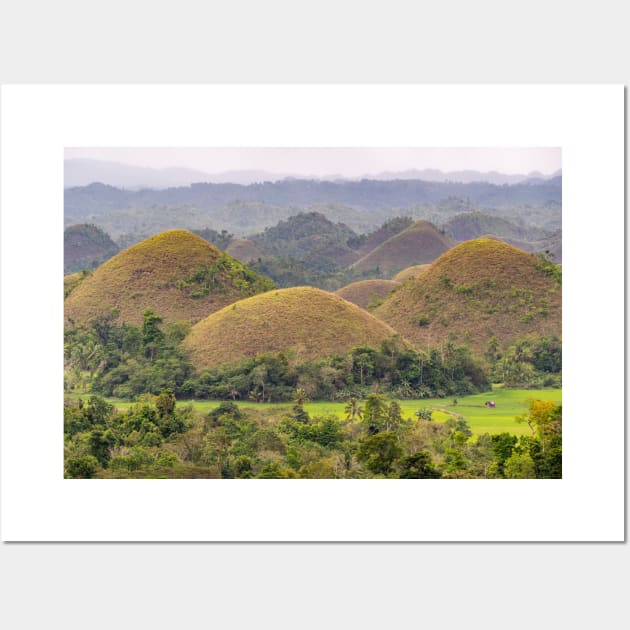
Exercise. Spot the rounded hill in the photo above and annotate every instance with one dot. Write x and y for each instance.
(303, 321)
(367, 292)
(176, 273)
(410, 272)
(420, 243)
(480, 289)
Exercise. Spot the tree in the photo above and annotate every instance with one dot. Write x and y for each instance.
(363, 358)
(418, 466)
(544, 420)
(165, 403)
(83, 467)
(424, 414)
(519, 466)
(259, 377)
(375, 413)
(394, 418)
(300, 398)
(243, 467)
(353, 409)
(99, 442)
(379, 452)
(502, 447)
(152, 336)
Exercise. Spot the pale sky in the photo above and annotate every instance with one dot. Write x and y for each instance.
(347, 162)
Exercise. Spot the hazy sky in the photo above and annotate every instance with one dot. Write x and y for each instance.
(347, 162)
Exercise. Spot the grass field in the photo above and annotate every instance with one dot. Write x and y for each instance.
(509, 404)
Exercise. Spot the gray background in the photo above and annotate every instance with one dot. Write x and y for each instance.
(314, 586)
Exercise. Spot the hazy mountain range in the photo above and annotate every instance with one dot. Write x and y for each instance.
(82, 172)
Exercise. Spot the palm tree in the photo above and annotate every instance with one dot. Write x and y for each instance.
(300, 398)
(353, 410)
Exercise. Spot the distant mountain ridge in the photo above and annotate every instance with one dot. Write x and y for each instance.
(85, 171)
(97, 199)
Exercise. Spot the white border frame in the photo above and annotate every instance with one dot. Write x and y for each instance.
(39, 121)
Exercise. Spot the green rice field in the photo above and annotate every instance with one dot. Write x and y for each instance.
(509, 404)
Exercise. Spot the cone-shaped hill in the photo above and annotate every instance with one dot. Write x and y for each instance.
(176, 273)
(477, 290)
(303, 321)
(366, 292)
(410, 272)
(421, 242)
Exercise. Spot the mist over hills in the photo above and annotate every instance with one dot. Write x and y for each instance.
(84, 171)
(360, 204)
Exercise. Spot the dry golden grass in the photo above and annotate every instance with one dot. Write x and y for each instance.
(366, 292)
(303, 321)
(479, 289)
(410, 272)
(419, 243)
(146, 275)
(71, 282)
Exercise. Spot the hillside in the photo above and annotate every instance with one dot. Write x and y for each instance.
(368, 242)
(72, 281)
(369, 194)
(85, 246)
(419, 243)
(303, 321)
(310, 238)
(469, 225)
(411, 272)
(551, 246)
(243, 249)
(177, 274)
(367, 292)
(477, 290)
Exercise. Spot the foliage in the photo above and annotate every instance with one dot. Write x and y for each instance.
(82, 467)
(378, 452)
(549, 268)
(219, 239)
(99, 438)
(223, 275)
(155, 438)
(529, 362)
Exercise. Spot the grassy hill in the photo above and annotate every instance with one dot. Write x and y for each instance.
(176, 273)
(477, 290)
(366, 292)
(371, 241)
(303, 321)
(410, 272)
(85, 246)
(421, 242)
(72, 281)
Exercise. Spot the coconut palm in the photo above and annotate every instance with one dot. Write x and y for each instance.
(353, 410)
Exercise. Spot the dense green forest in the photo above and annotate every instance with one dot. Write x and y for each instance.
(155, 438)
